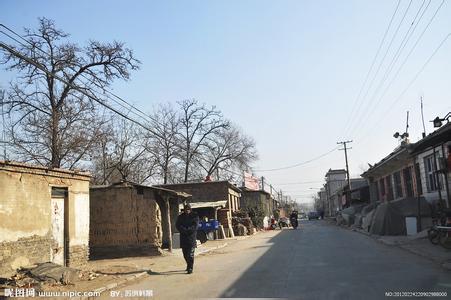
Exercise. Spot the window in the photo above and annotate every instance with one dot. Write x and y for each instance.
(418, 178)
(429, 170)
(398, 184)
(382, 187)
(408, 181)
(390, 187)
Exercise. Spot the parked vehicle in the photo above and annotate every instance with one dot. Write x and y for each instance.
(313, 215)
(206, 229)
(273, 225)
(440, 232)
(284, 222)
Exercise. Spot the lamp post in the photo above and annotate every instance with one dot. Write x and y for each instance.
(438, 121)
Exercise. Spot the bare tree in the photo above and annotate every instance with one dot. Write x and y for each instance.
(228, 149)
(164, 145)
(53, 122)
(121, 155)
(198, 124)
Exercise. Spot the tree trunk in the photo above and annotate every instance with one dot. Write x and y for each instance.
(55, 163)
(168, 223)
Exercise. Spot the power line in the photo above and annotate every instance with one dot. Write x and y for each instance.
(118, 100)
(356, 101)
(389, 110)
(299, 164)
(413, 48)
(394, 60)
(91, 96)
(383, 58)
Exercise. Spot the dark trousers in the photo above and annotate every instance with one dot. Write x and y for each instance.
(188, 254)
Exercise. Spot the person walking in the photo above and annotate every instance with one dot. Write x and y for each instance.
(187, 224)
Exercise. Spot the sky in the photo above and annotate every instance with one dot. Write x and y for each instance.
(291, 74)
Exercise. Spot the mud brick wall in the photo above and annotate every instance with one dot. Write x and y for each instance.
(78, 256)
(23, 252)
(123, 219)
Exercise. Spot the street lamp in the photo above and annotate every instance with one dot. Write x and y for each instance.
(438, 121)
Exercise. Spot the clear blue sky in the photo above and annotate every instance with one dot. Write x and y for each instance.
(287, 72)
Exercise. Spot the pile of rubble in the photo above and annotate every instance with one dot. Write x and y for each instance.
(242, 226)
(48, 274)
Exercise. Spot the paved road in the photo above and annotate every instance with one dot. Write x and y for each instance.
(319, 261)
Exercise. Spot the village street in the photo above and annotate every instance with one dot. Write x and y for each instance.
(318, 261)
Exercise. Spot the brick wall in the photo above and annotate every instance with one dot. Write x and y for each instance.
(24, 252)
(121, 221)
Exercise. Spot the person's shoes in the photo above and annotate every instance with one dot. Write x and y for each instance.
(189, 271)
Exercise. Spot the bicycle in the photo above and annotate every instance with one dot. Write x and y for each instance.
(440, 232)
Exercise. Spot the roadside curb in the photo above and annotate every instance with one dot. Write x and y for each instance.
(113, 285)
(444, 264)
(136, 276)
(210, 249)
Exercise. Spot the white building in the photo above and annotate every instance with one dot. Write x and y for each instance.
(335, 180)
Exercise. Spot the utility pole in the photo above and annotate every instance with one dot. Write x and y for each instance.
(345, 148)
(263, 183)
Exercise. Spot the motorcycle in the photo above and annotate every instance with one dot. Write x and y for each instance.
(273, 225)
(294, 222)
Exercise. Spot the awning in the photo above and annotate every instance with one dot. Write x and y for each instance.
(213, 204)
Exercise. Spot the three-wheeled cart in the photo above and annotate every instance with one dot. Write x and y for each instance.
(206, 230)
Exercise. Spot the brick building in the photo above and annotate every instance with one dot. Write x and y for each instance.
(44, 216)
(213, 199)
(260, 200)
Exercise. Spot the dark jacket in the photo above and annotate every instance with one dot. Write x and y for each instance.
(187, 224)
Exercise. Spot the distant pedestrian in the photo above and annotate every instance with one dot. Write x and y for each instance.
(187, 224)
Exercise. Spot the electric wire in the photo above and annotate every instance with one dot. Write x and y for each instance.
(300, 163)
(412, 81)
(356, 101)
(382, 62)
(372, 106)
(123, 103)
(129, 106)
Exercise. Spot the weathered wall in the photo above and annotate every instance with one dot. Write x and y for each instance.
(123, 222)
(25, 215)
(256, 199)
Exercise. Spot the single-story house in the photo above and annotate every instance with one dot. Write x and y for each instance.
(258, 200)
(212, 200)
(433, 163)
(129, 219)
(44, 216)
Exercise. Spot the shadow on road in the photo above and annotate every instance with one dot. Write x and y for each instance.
(320, 261)
(175, 272)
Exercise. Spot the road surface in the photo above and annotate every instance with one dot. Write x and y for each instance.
(317, 261)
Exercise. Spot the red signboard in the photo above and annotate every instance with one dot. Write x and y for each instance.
(250, 182)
